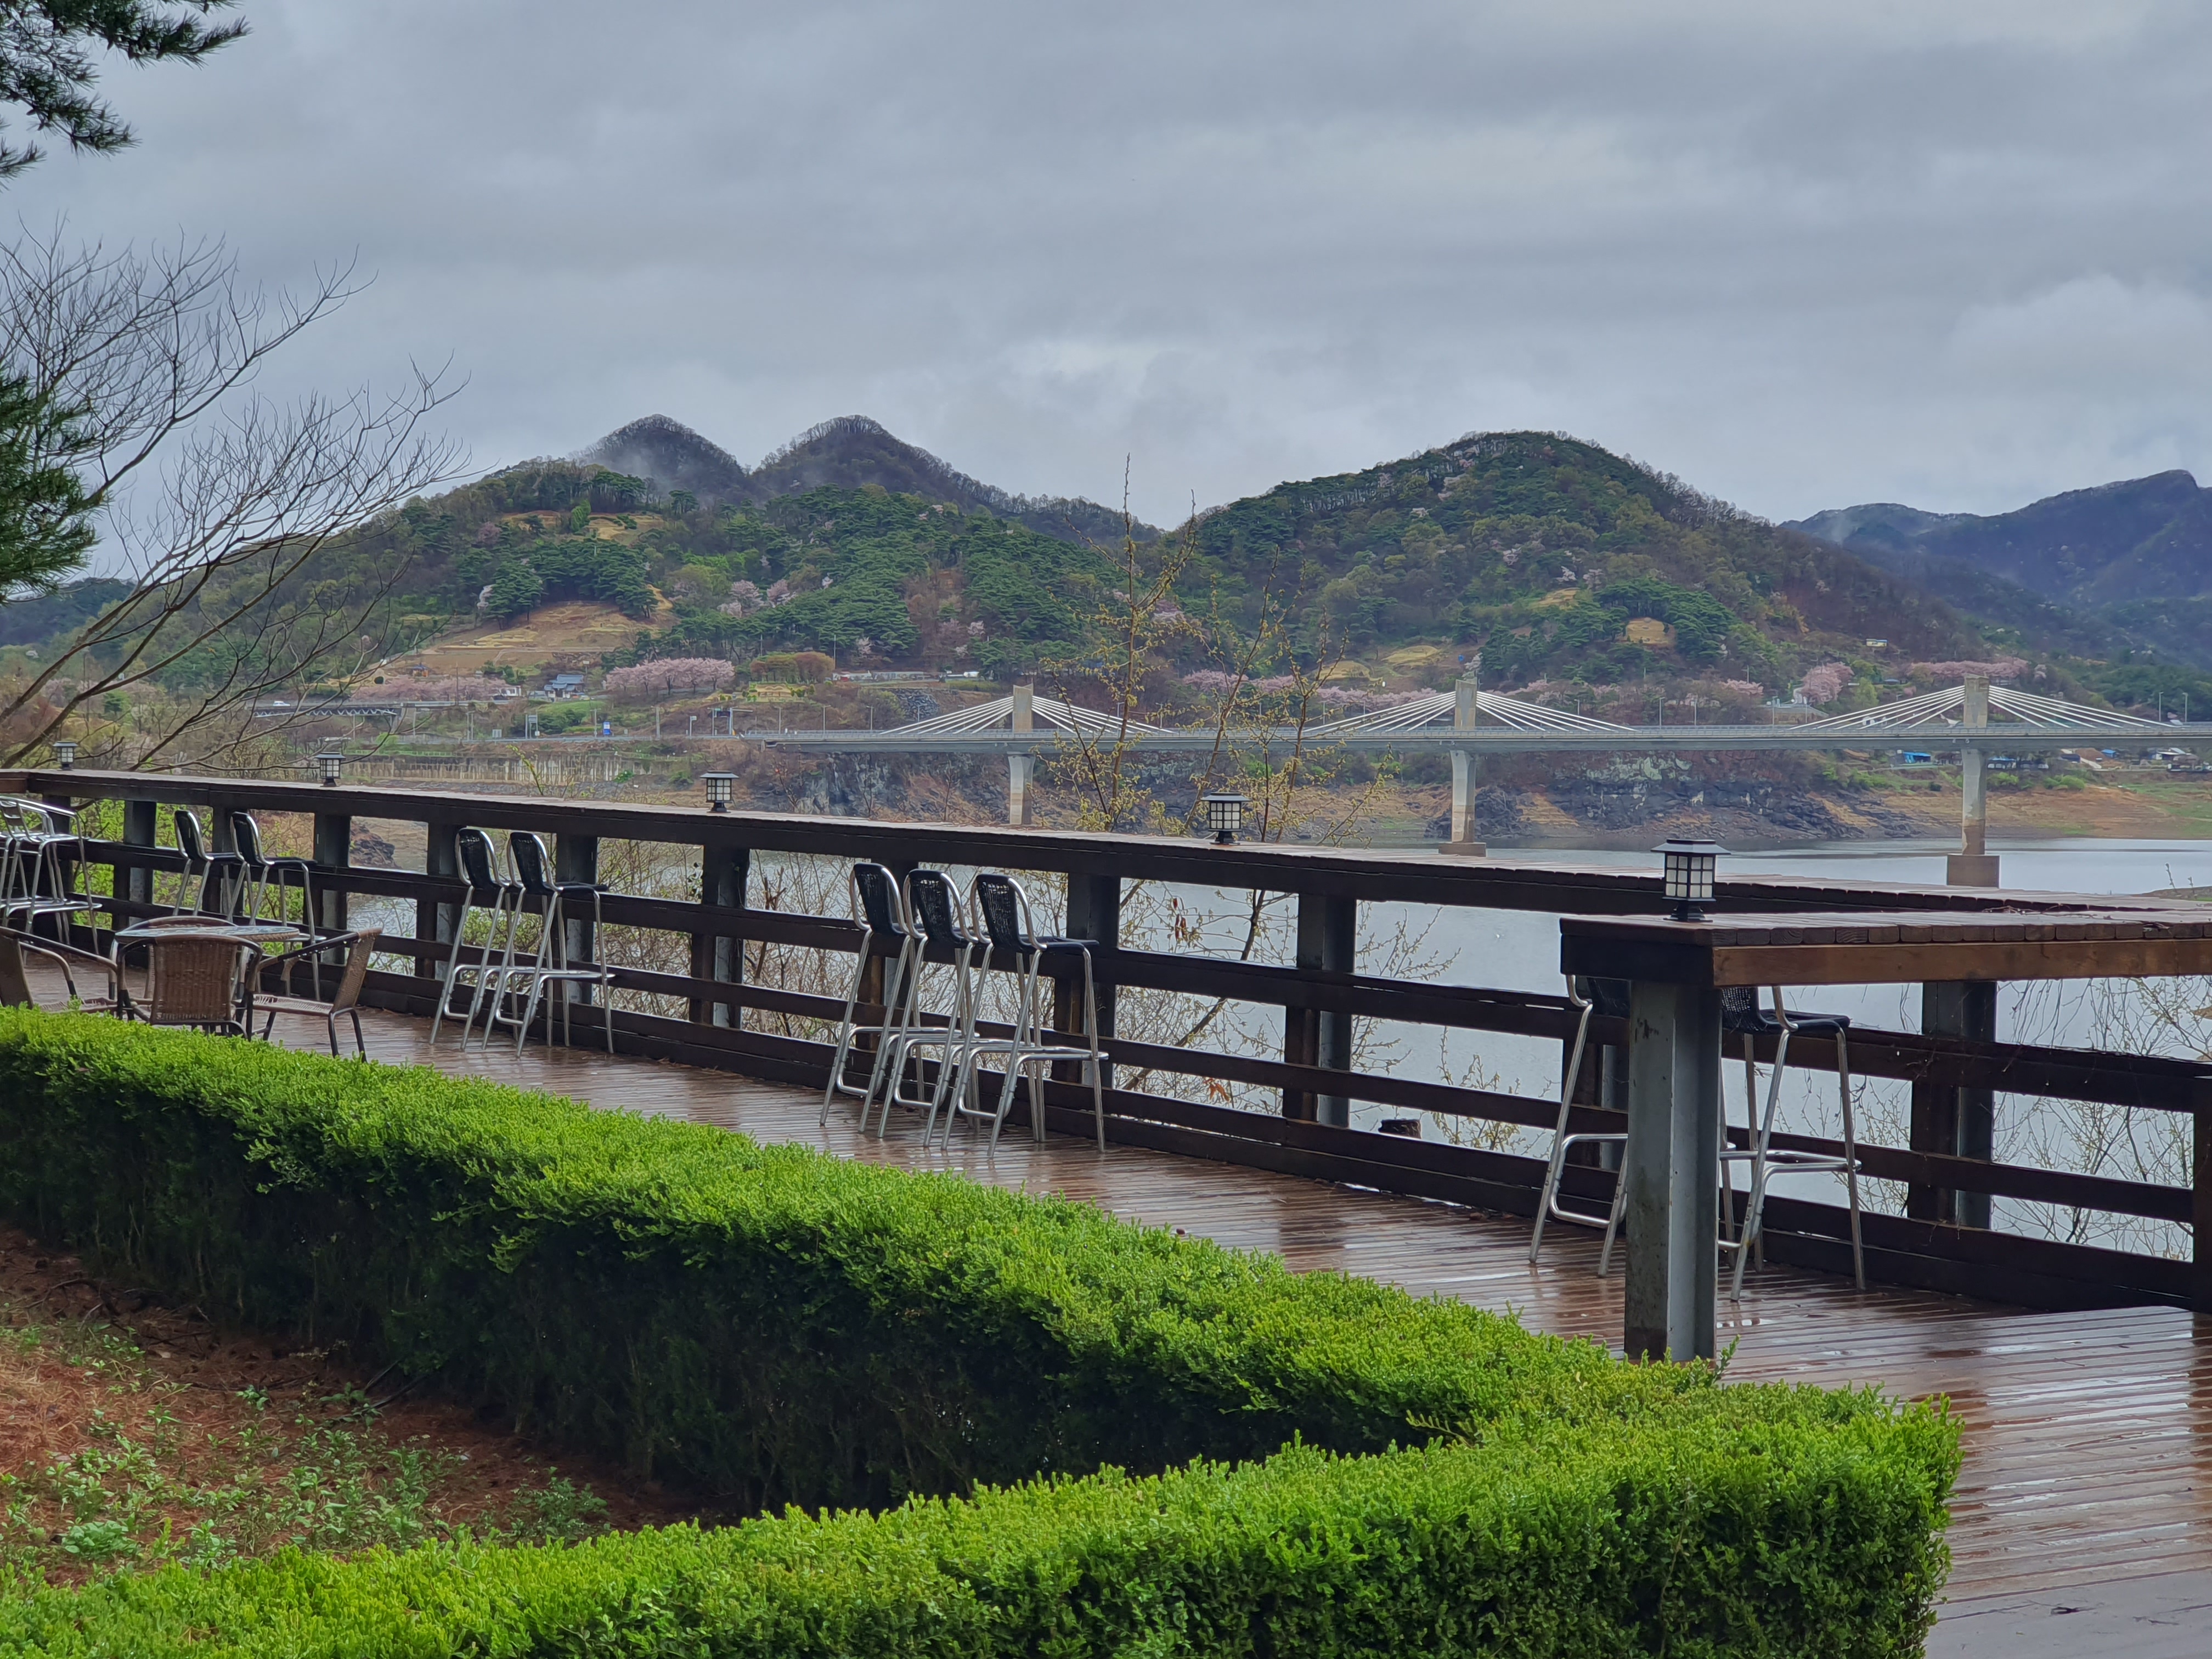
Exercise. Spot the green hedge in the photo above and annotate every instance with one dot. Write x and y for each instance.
(772, 1325)
(1712, 1539)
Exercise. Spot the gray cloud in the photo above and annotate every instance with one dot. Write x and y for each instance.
(1802, 256)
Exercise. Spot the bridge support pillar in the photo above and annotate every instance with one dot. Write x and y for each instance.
(1466, 774)
(1973, 865)
(1021, 717)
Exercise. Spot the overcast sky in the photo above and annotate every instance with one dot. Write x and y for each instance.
(1957, 255)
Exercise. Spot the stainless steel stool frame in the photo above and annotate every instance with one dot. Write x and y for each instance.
(879, 907)
(999, 902)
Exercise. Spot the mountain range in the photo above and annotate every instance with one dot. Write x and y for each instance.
(1560, 562)
(2123, 566)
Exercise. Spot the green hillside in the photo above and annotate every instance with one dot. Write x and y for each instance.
(1542, 551)
(897, 576)
(1554, 559)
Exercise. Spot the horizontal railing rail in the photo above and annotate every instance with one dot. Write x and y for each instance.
(1313, 1002)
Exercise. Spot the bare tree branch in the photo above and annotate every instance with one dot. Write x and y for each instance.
(214, 502)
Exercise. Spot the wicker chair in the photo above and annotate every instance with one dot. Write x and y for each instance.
(358, 946)
(15, 980)
(201, 979)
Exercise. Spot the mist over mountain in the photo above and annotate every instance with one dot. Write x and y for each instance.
(848, 453)
(2120, 567)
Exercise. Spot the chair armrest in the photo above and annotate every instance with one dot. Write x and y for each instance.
(315, 949)
(66, 954)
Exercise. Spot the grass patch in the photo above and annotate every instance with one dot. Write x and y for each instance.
(116, 1462)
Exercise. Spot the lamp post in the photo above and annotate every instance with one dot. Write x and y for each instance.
(65, 752)
(1689, 867)
(1224, 816)
(719, 785)
(332, 765)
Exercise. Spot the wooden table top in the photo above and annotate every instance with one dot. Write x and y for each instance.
(1904, 947)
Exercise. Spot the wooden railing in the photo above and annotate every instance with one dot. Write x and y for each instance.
(1320, 997)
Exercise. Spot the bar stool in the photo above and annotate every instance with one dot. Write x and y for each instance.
(489, 889)
(1741, 1014)
(1003, 908)
(552, 964)
(935, 915)
(262, 871)
(880, 909)
(1549, 1207)
(41, 867)
(201, 867)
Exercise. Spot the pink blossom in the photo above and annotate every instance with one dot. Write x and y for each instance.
(441, 688)
(669, 675)
(1826, 682)
(2004, 668)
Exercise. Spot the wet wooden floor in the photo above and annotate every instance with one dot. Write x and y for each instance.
(2088, 1479)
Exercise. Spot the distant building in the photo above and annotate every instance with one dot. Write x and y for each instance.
(565, 685)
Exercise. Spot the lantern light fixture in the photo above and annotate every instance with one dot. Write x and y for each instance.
(1224, 816)
(333, 766)
(719, 787)
(1689, 866)
(65, 752)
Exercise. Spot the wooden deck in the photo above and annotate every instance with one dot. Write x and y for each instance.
(2083, 1518)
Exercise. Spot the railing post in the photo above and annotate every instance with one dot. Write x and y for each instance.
(436, 918)
(2201, 1207)
(1671, 1168)
(1094, 912)
(142, 827)
(576, 858)
(1949, 1119)
(334, 853)
(1329, 942)
(723, 872)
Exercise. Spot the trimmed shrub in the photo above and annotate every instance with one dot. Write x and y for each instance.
(1774, 1539)
(771, 1324)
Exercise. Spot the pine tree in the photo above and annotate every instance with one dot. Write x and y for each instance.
(45, 517)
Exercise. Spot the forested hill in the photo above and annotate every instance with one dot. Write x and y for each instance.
(849, 452)
(1553, 558)
(1548, 554)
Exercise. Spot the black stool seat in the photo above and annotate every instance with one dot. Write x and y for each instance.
(1740, 1012)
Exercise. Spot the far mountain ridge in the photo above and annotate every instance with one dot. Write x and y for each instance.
(848, 453)
(2130, 561)
(2139, 538)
